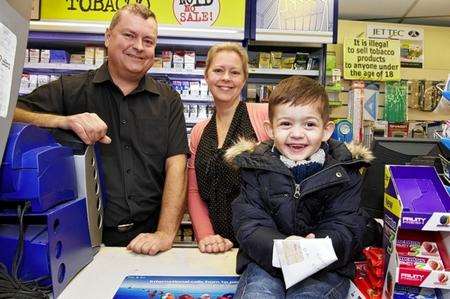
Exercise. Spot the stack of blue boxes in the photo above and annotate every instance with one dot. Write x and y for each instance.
(38, 170)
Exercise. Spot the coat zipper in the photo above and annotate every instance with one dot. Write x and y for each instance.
(297, 191)
(297, 194)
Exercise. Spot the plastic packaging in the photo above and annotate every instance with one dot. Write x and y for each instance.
(444, 104)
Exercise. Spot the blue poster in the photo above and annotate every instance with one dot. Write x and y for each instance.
(178, 287)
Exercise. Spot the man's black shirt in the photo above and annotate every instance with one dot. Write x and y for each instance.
(145, 127)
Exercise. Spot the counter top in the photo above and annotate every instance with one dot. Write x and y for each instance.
(103, 276)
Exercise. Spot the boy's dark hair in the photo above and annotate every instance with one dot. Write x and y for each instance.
(299, 90)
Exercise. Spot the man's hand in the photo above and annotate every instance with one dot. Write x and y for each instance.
(151, 243)
(88, 126)
(214, 244)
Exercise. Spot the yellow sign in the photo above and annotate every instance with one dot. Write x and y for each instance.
(186, 13)
(393, 205)
(387, 176)
(371, 59)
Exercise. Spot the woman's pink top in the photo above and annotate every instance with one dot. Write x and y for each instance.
(198, 210)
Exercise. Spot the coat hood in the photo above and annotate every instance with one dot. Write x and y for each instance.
(340, 151)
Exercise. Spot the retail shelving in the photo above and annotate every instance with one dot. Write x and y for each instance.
(196, 99)
(58, 67)
(49, 67)
(283, 72)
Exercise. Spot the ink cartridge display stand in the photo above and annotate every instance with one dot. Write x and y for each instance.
(416, 233)
(56, 243)
(88, 177)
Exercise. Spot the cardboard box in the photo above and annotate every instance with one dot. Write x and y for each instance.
(417, 209)
(264, 60)
(100, 55)
(27, 56)
(167, 59)
(25, 84)
(287, 62)
(35, 55)
(76, 58)
(54, 77)
(158, 63)
(398, 130)
(355, 110)
(189, 60)
(59, 56)
(45, 56)
(275, 59)
(194, 87)
(178, 86)
(89, 55)
(178, 60)
(417, 248)
(185, 91)
(42, 80)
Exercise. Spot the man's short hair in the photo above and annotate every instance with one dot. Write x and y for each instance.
(136, 9)
(230, 47)
(299, 90)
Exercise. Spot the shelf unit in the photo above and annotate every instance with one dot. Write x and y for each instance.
(79, 67)
(67, 37)
(58, 67)
(283, 72)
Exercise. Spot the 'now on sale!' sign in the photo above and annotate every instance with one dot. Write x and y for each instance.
(185, 13)
(371, 59)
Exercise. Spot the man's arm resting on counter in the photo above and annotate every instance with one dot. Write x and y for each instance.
(88, 126)
(45, 120)
(172, 209)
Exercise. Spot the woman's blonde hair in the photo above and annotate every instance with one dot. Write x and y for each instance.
(231, 47)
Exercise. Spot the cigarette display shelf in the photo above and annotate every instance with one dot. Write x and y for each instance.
(71, 67)
(283, 72)
(80, 67)
(73, 38)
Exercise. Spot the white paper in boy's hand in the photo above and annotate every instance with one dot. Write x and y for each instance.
(300, 258)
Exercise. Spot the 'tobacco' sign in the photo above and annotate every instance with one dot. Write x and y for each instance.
(196, 13)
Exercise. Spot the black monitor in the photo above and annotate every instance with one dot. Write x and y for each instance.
(395, 151)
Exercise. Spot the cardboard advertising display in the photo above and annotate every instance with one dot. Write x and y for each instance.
(416, 233)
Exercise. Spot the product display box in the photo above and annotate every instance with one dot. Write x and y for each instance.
(419, 191)
(416, 233)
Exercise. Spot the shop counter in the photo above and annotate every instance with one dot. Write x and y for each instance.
(103, 276)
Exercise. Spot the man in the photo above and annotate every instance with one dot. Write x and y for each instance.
(139, 124)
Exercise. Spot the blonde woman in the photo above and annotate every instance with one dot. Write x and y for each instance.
(213, 184)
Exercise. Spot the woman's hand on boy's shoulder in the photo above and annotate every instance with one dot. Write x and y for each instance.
(214, 244)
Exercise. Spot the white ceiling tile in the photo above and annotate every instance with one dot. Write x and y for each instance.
(430, 8)
(370, 9)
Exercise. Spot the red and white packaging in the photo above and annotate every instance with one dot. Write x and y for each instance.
(417, 248)
(421, 263)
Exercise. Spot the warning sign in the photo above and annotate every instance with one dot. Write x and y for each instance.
(369, 59)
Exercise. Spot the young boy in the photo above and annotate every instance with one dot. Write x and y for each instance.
(301, 184)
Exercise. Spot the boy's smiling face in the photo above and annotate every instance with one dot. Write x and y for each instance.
(298, 131)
